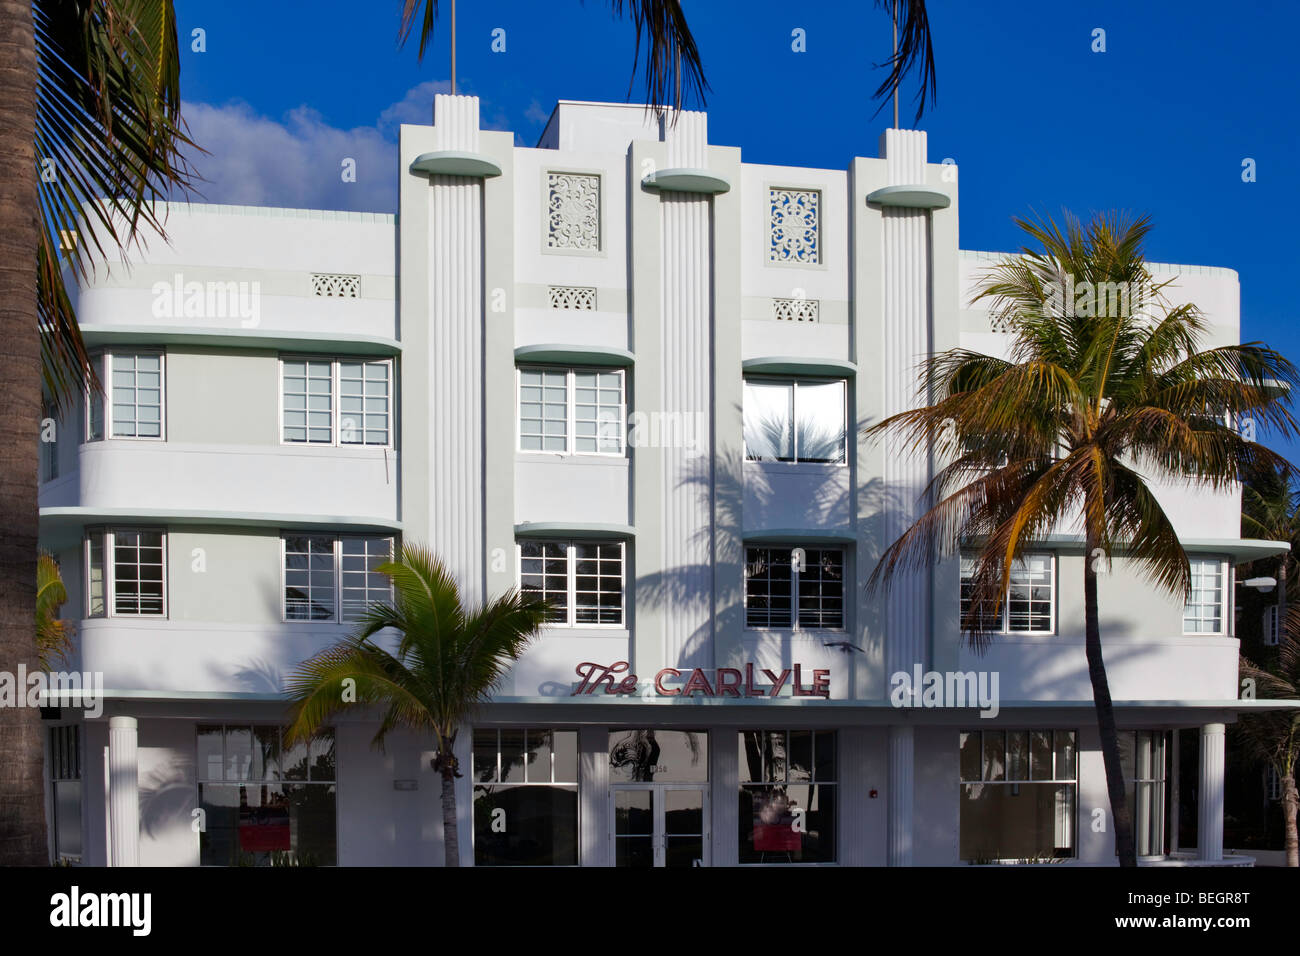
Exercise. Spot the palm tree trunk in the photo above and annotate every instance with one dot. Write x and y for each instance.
(22, 798)
(1119, 808)
(446, 764)
(1290, 802)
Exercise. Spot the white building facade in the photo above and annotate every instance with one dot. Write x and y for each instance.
(625, 370)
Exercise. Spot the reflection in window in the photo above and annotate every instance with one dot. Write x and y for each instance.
(1017, 795)
(265, 803)
(1142, 756)
(525, 797)
(795, 421)
(787, 796)
(663, 756)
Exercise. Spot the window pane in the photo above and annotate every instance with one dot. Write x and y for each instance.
(767, 818)
(308, 578)
(544, 573)
(565, 744)
(666, 756)
(543, 412)
(268, 825)
(1016, 821)
(598, 583)
(768, 587)
(821, 588)
(598, 411)
(135, 391)
(1017, 755)
(484, 766)
(819, 421)
(1203, 613)
(971, 750)
(525, 825)
(137, 572)
(1029, 602)
(95, 585)
(363, 403)
(308, 401)
(768, 413)
(361, 581)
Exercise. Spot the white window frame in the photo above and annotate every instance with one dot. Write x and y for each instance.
(336, 399)
(337, 552)
(1225, 598)
(571, 574)
(570, 410)
(105, 358)
(794, 624)
(107, 539)
(1004, 612)
(794, 381)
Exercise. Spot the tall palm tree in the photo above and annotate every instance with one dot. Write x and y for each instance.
(1274, 736)
(1270, 509)
(90, 130)
(1096, 399)
(447, 661)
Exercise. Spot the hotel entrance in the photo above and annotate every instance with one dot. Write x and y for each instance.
(659, 797)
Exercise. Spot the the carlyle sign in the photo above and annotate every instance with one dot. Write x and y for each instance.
(725, 682)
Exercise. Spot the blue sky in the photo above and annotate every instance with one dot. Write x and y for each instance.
(1159, 123)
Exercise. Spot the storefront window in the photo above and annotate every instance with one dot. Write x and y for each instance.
(1017, 795)
(525, 797)
(787, 796)
(1142, 755)
(659, 756)
(266, 803)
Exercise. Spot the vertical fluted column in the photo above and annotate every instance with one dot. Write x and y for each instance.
(902, 776)
(906, 341)
(687, 386)
(593, 755)
(1209, 831)
(455, 357)
(123, 791)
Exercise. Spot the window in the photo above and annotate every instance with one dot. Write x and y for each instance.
(49, 440)
(787, 796)
(1204, 611)
(125, 572)
(525, 797)
(795, 420)
(794, 587)
(312, 415)
(583, 580)
(1028, 604)
(1142, 756)
(1018, 794)
(1272, 783)
(332, 578)
(65, 782)
(265, 802)
(1270, 626)
(133, 382)
(571, 411)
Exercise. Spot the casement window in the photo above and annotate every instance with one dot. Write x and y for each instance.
(1029, 605)
(336, 401)
(266, 802)
(795, 420)
(528, 779)
(571, 411)
(65, 783)
(788, 789)
(334, 577)
(1018, 794)
(583, 580)
(134, 385)
(1142, 757)
(1205, 610)
(794, 587)
(126, 572)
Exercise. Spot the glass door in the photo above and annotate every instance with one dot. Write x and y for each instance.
(659, 825)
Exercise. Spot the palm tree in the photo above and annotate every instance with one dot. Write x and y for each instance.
(1270, 509)
(90, 125)
(1274, 736)
(53, 635)
(1095, 400)
(448, 660)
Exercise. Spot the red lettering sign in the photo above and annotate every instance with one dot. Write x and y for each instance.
(725, 682)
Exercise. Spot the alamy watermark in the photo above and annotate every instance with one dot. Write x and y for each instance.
(177, 299)
(923, 688)
(83, 689)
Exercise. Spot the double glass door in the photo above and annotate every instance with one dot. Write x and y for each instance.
(659, 824)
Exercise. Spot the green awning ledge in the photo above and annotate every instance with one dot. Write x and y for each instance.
(451, 162)
(277, 339)
(607, 355)
(1240, 550)
(577, 529)
(687, 180)
(798, 536)
(794, 365)
(64, 524)
(910, 197)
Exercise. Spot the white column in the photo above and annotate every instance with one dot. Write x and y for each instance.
(686, 349)
(724, 784)
(902, 775)
(455, 418)
(123, 792)
(906, 341)
(593, 797)
(1209, 831)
